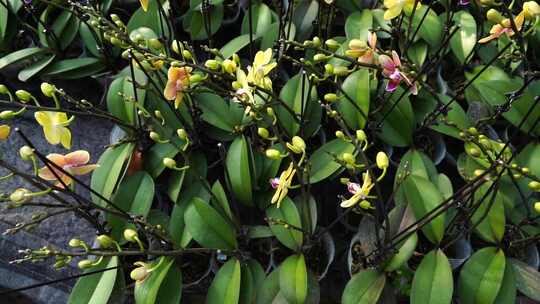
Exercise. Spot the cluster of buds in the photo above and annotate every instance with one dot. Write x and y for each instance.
(485, 151)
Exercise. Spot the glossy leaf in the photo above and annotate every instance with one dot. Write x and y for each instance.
(153, 161)
(464, 40)
(481, 277)
(152, 287)
(238, 170)
(398, 125)
(288, 213)
(354, 100)
(234, 46)
(508, 291)
(293, 281)
(404, 253)
(96, 288)
(365, 287)
(225, 289)
(74, 68)
(35, 68)
(323, 162)
(527, 279)
(430, 29)
(20, 55)
(489, 216)
(261, 18)
(305, 13)
(358, 24)
(208, 227)
(432, 282)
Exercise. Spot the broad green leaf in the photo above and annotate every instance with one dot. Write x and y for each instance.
(418, 52)
(238, 170)
(358, 24)
(288, 213)
(234, 46)
(225, 289)
(456, 115)
(150, 18)
(305, 12)
(65, 28)
(178, 179)
(208, 227)
(74, 68)
(20, 55)
(323, 162)
(150, 289)
(36, 67)
(194, 22)
(293, 281)
(464, 40)
(301, 99)
(354, 100)
(527, 279)
(4, 14)
(269, 39)
(222, 114)
(106, 176)
(220, 202)
(252, 279)
(96, 288)
(423, 196)
(153, 161)
(398, 124)
(261, 19)
(364, 287)
(508, 291)
(432, 282)
(489, 216)
(481, 277)
(89, 40)
(135, 195)
(269, 289)
(121, 95)
(404, 253)
(430, 29)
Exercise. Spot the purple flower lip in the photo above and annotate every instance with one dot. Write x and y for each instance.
(274, 182)
(464, 2)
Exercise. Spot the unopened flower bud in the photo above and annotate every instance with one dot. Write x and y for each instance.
(299, 143)
(537, 207)
(478, 172)
(212, 64)
(263, 132)
(534, 186)
(320, 57)
(182, 134)
(155, 136)
(348, 158)
(139, 274)
(339, 134)
(357, 44)
(7, 114)
(176, 46)
(273, 154)
(26, 153)
(187, 55)
(155, 43)
(130, 235)
(4, 132)
(473, 152)
(328, 68)
(341, 70)
(361, 135)
(365, 205)
(169, 163)
(494, 16)
(114, 17)
(3, 89)
(525, 170)
(531, 10)
(195, 78)
(331, 97)
(382, 160)
(48, 89)
(316, 41)
(105, 241)
(229, 66)
(332, 44)
(23, 95)
(19, 196)
(85, 264)
(75, 243)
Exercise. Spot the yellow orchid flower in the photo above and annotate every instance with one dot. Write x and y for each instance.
(360, 194)
(244, 92)
(75, 163)
(504, 27)
(144, 4)
(177, 82)
(4, 132)
(282, 184)
(395, 7)
(261, 67)
(55, 127)
(531, 10)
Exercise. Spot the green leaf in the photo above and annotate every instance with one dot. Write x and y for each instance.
(149, 290)
(207, 227)
(269, 39)
(220, 202)
(423, 196)
(398, 125)
(121, 94)
(431, 28)
(404, 253)
(456, 115)
(150, 18)
(354, 100)
(364, 287)
(20, 55)
(106, 176)
(89, 40)
(269, 290)
(135, 195)
(194, 22)
(305, 12)
(238, 170)
(432, 282)
(35, 68)
(288, 213)
(490, 221)
(4, 14)
(96, 288)
(300, 98)
(508, 291)
(527, 279)
(358, 24)
(225, 288)
(234, 46)
(464, 40)
(323, 162)
(418, 52)
(153, 161)
(74, 68)
(65, 27)
(293, 281)
(225, 115)
(252, 279)
(261, 19)
(481, 277)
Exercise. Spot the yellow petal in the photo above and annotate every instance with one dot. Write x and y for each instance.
(42, 118)
(57, 118)
(65, 138)
(392, 12)
(52, 134)
(4, 131)
(144, 5)
(178, 100)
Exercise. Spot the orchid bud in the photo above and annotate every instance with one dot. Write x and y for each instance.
(20, 196)
(365, 205)
(361, 135)
(155, 43)
(273, 154)
(23, 95)
(473, 152)
(212, 64)
(494, 16)
(525, 170)
(531, 10)
(85, 264)
(357, 44)
(320, 57)
(229, 66)
(340, 135)
(176, 46)
(131, 235)
(182, 134)
(348, 158)
(155, 136)
(331, 97)
(316, 41)
(48, 89)
(3, 89)
(26, 153)
(140, 273)
(534, 186)
(169, 163)
(299, 143)
(340, 70)
(332, 44)
(195, 78)
(537, 207)
(187, 55)
(382, 160)
(263, 132)
(75, 243)
(105, 241)
(4, 132)
(328, 68)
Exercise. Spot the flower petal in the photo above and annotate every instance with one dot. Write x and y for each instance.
(391, 85)
(392, 12)
(46, 174)
(52, 134)
(387, 64)
(77, 158)
(65, 137)
(42, 118)
(82, 170)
